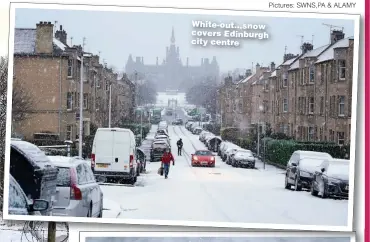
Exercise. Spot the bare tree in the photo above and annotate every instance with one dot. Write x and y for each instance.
(3, 91)
(22, 102)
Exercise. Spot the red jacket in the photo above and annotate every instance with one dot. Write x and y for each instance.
(167, 158)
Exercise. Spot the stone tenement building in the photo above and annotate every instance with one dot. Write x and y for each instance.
(308, 96)
(172, 73)
(49, 70)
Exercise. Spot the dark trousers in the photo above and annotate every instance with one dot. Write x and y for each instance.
(166, 169)
(179, 150)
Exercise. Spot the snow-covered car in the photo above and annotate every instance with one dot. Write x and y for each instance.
(19, 204)
(34, 172)
(230, 153)
(226, 146)
(202, 135)
(188, 124)
(301, 167)
(207, 137)
(332, 180)
(222, 147)
(161, 132)
(78, 193)
(243, 158)
(197, 130)
(213, 144)
(203, 158)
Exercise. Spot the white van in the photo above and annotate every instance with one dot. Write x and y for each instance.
(113, 155)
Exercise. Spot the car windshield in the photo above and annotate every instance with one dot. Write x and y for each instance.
(243, 152)
(338, 169)
(203, 152)
(311, 162)
(63, 179)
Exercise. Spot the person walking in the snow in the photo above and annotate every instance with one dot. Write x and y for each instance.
(179, 146)
(166, 162)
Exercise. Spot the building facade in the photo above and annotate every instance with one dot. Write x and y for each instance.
(172, 73)
(307, 97)
(50, 71)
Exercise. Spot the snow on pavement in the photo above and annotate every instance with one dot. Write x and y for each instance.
(221, 194)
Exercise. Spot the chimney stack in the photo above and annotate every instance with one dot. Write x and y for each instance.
(61, 35)
(336, 35)
(289, 56)
(272, 66)
(306, 47)
(44, 38)
(258, 68)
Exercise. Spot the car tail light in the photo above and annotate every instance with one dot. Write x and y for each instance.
(131, 161)
(75, 191)
(92, 160)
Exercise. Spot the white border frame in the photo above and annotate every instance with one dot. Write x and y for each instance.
(354, 17)
(92, 234)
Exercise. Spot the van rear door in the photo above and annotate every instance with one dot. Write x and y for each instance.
(103, 143)
(121, 151)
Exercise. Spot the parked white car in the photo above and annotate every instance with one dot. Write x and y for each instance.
(114, 155)
(78, 193)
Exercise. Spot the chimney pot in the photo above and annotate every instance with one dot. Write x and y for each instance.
(60, 27)
(49, 22)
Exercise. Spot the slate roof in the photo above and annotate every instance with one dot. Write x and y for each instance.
(25, 42)
(245, 80)
(328, 54)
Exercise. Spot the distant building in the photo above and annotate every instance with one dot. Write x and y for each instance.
(172, 73)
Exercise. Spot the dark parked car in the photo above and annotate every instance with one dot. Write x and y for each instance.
(34, 172)
(243, 158)
(158, 148)
(141, 158)
(332, 180)
(19, 204)
(300, 173)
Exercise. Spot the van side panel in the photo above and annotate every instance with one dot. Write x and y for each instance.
(121, 151)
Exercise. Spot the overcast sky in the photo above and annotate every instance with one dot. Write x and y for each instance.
(118, 34)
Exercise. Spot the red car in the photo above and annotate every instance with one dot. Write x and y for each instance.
(203, 158)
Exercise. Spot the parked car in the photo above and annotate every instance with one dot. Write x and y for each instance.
(197, 130)
(294, 176)
(141, 159)
(178, 121)
(202, 135)
(243, 158)
(230, 154)
(213, 143)
(113, 155)
(222, 147)
(225, 148)
(34, 172)
(207, 136)
(20, 204)
(78, 193)
(158, 149)
(203, 158)
(162, 132)
(332, 180)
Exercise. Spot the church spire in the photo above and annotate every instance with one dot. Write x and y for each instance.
(173, 36)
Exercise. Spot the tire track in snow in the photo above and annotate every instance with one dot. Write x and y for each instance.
(212, 198)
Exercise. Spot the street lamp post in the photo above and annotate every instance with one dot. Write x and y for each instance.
(258, 131)
(110, 106)
(80, 138)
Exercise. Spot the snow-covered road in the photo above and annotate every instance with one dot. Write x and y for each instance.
(221, 194)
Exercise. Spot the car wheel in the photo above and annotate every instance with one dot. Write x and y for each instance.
(297, 187)
(287, 185)
(313, 191)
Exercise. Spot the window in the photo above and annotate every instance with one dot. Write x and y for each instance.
(321, 105)
(86, 101)
(81, 175)
(89, 174)
(69, 101)
(342, 69)
(86, 73)
(292, 105)
(285, 128)
(97, 82)
(341, 100)
(311, 105)
(301, 77)
(272, 106)
(331, 105)
(70, 68)
(312, 74)
(266, 84)
(321, 132)
(106, 85)
(69, 132)
(16, 198)
(311, 133)
(304, 105)
(331, 135)
(285, 105)
(340, 138)
(285, 80)
(322, 73)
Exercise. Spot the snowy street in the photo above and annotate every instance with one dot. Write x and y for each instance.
(220, 194)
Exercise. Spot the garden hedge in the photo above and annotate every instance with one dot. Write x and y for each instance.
(279, 151)
(230, 134)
